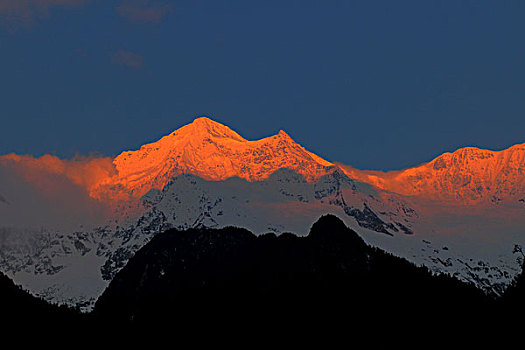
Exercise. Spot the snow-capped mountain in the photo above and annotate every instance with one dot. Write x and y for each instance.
(75, 267)
(468, 175)
(211, 151)
(205, 174)
(286, 202)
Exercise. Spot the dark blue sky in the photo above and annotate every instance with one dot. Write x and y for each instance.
(374, 84)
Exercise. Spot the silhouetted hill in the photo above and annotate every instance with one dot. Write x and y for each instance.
(230, 277)
(25, 313)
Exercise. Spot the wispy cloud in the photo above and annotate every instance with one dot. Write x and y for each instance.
(17, 13)
(23, 12)
(144, 11)
(82, 171)
(52, 192)
(127, 58)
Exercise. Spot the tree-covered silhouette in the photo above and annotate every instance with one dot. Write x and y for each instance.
(229, 275)
(23, 312)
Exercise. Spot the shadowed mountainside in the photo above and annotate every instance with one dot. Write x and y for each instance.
(230, 276)
(22, 311)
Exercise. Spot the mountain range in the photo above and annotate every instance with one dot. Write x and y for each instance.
(461, 213)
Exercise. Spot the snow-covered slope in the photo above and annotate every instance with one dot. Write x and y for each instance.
(286, 202)
(212, 151)
(473, 199)
(76, 267)
(468, 175)
(442, 214)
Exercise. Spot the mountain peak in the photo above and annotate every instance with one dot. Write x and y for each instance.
(283, 134)
(212, 151)
(203, 127)
(205, 122)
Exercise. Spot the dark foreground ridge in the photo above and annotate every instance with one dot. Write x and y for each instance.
(229, 280)
(231, 277)
(20, 310)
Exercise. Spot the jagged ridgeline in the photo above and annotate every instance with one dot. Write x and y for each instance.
(229, 274)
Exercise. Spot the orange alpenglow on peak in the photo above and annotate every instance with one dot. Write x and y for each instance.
(204, 126)
(212, 151)
(468, 175)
